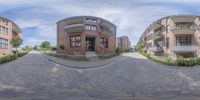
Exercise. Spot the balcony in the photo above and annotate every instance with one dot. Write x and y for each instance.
(154, 36)
(106, 32)
(76, 20)
(106, 24)
(155, 26)
(180, 19)
(183, 31)
(156, 49)
(184, 48)
(74, 28)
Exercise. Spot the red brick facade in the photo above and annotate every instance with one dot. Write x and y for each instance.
(8, 30)
(86, 27)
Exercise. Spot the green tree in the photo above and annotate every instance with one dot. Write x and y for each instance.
(46, 44)
(140, 47)
(35, 47)
(16, 42)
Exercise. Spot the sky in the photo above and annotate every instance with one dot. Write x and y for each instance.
(37, 18)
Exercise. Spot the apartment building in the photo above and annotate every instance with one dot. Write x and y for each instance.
(86, 33)
(173, 36)
(8, 31)
(123, 42)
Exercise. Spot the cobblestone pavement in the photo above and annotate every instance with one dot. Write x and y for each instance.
(34, 77)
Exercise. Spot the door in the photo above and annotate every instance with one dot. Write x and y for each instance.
(90, 43)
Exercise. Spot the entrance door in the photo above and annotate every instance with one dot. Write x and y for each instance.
(90, 43)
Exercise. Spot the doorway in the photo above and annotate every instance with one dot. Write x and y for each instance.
(90, 43)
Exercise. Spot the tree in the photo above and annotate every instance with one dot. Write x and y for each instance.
(46, 44)
(35, 47)
(16, 42)
(140, 47)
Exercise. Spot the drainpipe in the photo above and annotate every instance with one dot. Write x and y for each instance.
(166, 38)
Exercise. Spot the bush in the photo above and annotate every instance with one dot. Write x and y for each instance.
(119, 50)
(9, 58)
(62, 47)
(191, 62)
(180, 61)
(21, 54)
(185, 61)
(198, 61)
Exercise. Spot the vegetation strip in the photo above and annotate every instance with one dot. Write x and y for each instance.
(9, 58)
(180, 61)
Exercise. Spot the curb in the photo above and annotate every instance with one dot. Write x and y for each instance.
(79, 67)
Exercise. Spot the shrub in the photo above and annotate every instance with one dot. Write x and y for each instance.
(185, 61)
(62, 47)
(7, 58)
(190, 62)
(21, 54)
(198, 61)
(180, 61)
(119, 50)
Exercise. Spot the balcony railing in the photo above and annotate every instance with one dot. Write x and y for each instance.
(106, 32)
(76, 20)
(189, 48)
(155, 49)
(74, 28)
(183, 31)
(73, 25)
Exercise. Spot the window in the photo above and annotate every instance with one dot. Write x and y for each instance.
(75, 41)
(167, 43)
(87, 27)
(158, 43)
(104, 42)
(88, 20)
(91, 27)
(3, 43)
(91, 20)
(183, 40)
(94, 20)
(94, 28)
(3, 30)
(6, 22)
(168, 28)
(186, 26)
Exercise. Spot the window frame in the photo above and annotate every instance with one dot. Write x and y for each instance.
(76, 42)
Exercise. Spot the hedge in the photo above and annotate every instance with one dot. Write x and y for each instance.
(180, 61)
(9, 58)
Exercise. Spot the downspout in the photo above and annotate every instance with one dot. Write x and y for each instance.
(166, 37)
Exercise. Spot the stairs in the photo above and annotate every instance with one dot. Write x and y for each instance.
(91, 55)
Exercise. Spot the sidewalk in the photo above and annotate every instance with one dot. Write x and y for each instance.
(83, 64)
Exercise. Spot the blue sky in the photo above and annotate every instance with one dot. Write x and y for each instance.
(37, 18)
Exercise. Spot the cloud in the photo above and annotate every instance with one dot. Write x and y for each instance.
(131, 17)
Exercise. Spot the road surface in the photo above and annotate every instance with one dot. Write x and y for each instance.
(34, 77)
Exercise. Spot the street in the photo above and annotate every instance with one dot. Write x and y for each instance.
(34, 77)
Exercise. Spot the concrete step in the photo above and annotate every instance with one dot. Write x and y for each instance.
(92, 56)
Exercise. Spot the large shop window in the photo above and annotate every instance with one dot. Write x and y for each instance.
(104, 42)
(3, 43)
(75, 41)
